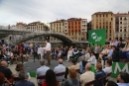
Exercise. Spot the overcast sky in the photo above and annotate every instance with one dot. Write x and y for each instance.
(12, 11)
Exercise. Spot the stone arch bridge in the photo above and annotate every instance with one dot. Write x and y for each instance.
(28, 35)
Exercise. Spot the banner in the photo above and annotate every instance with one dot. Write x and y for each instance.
(118, 67)
(97, 36)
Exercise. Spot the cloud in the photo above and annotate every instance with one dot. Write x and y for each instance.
(12, 11)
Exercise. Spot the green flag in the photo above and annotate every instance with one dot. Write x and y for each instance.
(118, 67)
(97, 36)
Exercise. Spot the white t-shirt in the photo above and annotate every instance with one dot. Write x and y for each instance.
(40, 50)
(107, 70)
(92, 60)
(48, 46)
(123, 84)
(70, 53)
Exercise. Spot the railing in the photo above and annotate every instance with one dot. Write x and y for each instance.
(25, 30)
(30, 34)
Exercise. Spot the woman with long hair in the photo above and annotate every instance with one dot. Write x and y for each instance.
(50, 79)
(72, 80)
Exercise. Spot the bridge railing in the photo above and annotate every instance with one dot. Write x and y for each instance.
(31, 33)
(24, 30)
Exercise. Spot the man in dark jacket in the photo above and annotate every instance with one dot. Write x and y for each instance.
(23, 80)
(5, 70)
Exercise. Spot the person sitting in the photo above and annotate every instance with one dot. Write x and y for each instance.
(50, 79)
(111, 83)
(41, 72)
(92, 58)
(125, 50)
(108, 67)
(60, 70)
(87, 76)
(117, 54)
(5, 70)
(23, 80)
(84, 59)
(72, 81)
(2, 79)
(100, 75)
(74, 64)
(123, 79)
(19, 68)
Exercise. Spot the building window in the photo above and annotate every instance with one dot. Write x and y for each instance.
(96, 15)
(125, 18)
(111, 19)
(110, 26)
(125, 30)
(124, 35)
(110, 31)
(106, 15)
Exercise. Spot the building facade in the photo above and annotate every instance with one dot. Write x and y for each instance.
(104, 20)
(122, 25)
(75, 28)
(21, 25)
(34, 27)
(58, 26)
(37, 26)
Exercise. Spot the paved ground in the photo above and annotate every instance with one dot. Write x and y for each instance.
(32, 66)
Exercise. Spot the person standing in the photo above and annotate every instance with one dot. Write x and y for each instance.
(40, 52)
(48, 51)
(69, 53)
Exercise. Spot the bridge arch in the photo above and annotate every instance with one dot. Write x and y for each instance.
(65, 39)
(30, 35)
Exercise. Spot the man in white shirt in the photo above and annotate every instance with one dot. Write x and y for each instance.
(47, 49)
(40, 52)
(87, 76)
(69, 53)
(41, 71)
(60, 70)
(92, 58)
(108, 68)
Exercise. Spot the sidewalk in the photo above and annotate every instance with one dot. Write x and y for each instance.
(32, 79)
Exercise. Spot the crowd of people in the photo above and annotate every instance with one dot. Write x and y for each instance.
(88, 66)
